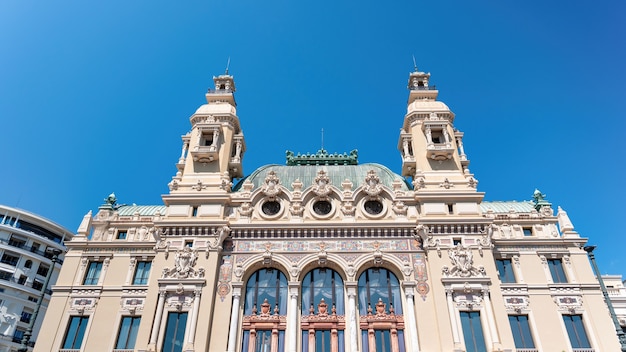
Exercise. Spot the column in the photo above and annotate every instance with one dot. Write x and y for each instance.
(156, 324)
(491, 320)
(292, 317)
(234, 319)
(352, 316)
(409, 311)
(453, 320)
(191, 332)
(459, 142)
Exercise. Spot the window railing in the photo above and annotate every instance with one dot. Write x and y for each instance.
(526, 350)
(424, 88)
(220, 91)
(35, 284)
(583, 350)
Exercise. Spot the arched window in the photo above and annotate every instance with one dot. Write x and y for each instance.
(323, 320)
(265, 310)
(380, 308)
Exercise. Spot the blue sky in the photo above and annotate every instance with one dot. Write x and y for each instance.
(94, 96)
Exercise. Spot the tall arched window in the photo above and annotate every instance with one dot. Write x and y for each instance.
(265, 310)
(380, 308)
(323, 320)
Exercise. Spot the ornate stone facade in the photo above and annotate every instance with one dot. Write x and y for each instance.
(325, 251)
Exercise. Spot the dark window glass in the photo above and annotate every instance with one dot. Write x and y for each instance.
(373, 207)
(266, 284)
(576, 331)
(93, 273)
(521, 331)
(75, 332)
(505, 269)
(18, 334)
(128, 333)
(9, 258)
(5, 275)
(121, 235)
(175, 332)
(556, 270)
(528, 231)
(473, 332)
(43, 269)
(322, 207)
(26, 315)
(379, 284)
(323, 284)
(142, 273)
(270, 207)
(28, 264)
(37, 285)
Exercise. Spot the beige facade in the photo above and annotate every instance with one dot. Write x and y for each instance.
(325, 254)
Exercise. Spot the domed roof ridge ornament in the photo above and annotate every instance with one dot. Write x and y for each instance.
(322, 157)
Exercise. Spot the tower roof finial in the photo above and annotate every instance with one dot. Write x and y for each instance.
(414, 64)
(227, 65)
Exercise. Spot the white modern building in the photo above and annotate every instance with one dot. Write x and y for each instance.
(26, 243)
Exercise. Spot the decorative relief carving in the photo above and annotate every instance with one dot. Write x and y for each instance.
(372, 184)
(321, 184)
(221, 233)
(446, 184)
(569, 304)
(180, 300)
(83, 304)
(346, 186)
(399, 208)
(516, 304)
(184, 262)
(223, 287)
(462, 262)
(419, 183)
(245, 209)
(271, 187)
(468, 300)
(348, 208)
(296, 209)
(199, 186)
(297, 188)
(132, 305)
(225, 182)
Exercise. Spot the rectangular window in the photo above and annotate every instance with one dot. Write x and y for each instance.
(37, 285)
(17, 241)
(473, 332)
(194, 211)
(128, 333)
(521, 331)
(43, 269)
(18, 335)
(75, 333)
(10, 258)
(142, 272)
(5, 275)
(121, 235)
(26, 315)
(576, 331)
(505, 270)
(528, 231)
(174, 332)
(93, 273)
(556, 270)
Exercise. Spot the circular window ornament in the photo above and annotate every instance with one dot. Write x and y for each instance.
(271, 208)
(322, 207)
(373, 207)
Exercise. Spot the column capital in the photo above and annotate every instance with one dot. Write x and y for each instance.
(236, 291)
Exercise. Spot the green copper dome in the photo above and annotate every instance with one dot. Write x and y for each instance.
(287, 174)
